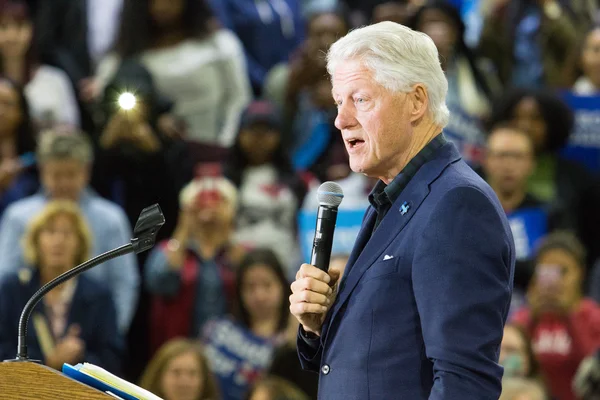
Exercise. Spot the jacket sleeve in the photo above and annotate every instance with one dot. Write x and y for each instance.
(310, 351)
(462, 280)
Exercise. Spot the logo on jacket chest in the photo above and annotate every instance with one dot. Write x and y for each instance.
(404, 208)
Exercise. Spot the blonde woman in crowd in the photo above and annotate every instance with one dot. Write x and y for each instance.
(179, 371)
(76, 321)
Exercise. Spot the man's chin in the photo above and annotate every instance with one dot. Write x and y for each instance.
(360, 168)
(357, 166)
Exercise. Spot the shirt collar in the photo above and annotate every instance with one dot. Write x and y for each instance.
(383, 194)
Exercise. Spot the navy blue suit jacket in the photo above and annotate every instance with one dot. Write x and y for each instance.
(91, 308)
(422, 304)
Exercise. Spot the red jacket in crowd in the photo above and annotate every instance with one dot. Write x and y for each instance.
(560, 343)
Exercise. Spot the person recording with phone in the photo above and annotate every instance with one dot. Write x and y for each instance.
(563, 325)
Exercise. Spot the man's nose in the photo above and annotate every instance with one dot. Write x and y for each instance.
(345, 117)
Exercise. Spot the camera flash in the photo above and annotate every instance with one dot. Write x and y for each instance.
(127, 101)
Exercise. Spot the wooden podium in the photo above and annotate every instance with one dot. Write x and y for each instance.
(32, 381)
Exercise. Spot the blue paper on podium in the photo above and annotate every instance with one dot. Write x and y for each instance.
(104, 381)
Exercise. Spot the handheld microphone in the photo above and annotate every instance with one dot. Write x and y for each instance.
(150, 221)
(330, 196)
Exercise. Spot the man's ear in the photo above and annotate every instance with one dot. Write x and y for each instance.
(419, 100)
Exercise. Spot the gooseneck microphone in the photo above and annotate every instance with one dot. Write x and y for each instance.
(150, 221)
(330, 196)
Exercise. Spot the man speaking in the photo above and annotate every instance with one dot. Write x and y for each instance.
(420, 310)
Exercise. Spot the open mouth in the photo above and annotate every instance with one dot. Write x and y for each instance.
(353, 143)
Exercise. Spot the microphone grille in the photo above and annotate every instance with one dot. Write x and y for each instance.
(330, 194)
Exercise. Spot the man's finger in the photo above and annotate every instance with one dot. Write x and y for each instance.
(312, 285)
(307, 308)
(310, 271)
(307, 296)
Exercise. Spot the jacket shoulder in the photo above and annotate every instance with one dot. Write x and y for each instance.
(459, 176)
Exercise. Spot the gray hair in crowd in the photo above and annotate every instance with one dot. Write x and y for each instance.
(399, 58)
(59, 145)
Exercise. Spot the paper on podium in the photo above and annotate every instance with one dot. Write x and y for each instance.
(103, 380)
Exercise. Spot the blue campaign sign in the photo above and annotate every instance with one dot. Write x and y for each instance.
(584, 142)
(346, 230)
(528, 226)
(467, 134)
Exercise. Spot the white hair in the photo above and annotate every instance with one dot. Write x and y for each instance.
(399, 58)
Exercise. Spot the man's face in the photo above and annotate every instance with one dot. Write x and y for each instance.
(509, 161)
(64, 179)
(375, 123)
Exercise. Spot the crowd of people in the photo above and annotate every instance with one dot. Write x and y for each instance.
(231, 133)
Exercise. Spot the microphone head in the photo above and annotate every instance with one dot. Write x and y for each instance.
(150, 221)
(330, 194)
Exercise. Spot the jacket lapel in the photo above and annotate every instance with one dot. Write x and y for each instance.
(365, 254)
(361, 240)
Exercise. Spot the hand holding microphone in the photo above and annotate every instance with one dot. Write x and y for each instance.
(315, 287)
(313, 293)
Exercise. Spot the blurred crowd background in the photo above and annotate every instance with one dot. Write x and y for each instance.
(231, 133)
